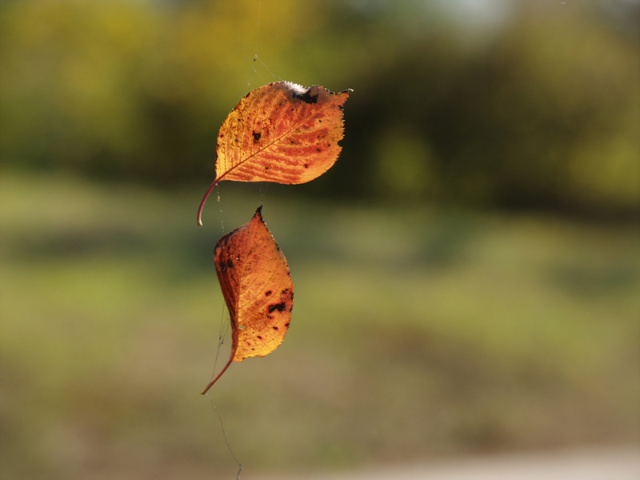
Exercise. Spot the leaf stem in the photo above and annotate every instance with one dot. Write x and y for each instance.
(224, 369)
(204, 199)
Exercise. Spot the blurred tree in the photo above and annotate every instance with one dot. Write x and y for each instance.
(544, 116)
(538, 108)
(556, 91)
(129, 88)
(68, 93)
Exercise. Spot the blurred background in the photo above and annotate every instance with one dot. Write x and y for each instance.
(467, 275)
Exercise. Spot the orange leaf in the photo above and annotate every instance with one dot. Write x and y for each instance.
(282, 133)
(257, 288)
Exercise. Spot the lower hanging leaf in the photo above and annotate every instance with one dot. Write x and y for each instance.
(257, 288)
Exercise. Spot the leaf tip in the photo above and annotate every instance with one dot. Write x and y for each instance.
(259, 213)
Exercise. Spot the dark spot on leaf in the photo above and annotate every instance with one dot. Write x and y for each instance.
(256, 136)
(275, 328)
(223, 267)
(278, 306)
(229, 263)
(259, 337)
(306, 165)
(268, 292)
(306, 97)
(286, 324)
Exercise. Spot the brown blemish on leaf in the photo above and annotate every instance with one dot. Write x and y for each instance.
(278, 306)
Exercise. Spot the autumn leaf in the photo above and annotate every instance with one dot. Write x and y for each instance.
(257, 288)
(281, 132)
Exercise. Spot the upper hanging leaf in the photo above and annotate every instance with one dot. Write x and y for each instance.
(282, 133)
(257, 288)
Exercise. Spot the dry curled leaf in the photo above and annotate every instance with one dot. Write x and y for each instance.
(257, 288)
(281, 132)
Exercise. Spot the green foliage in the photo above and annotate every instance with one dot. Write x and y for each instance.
(544, 115)
(539, 110)
(125, 88)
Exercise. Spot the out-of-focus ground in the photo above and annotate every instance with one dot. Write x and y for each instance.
(590, 464)
(417, 333)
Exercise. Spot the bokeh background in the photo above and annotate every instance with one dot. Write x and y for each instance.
(467, 275)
